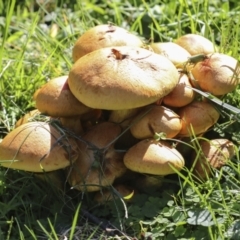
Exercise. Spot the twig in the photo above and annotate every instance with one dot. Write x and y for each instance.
(216, 100)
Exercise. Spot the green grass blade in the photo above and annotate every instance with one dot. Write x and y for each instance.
(9, 10)
(45, 231)
(31, 232)
(74, 222)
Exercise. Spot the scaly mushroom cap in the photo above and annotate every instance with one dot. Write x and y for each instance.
(55, 99)
(37, 146)
(101, 36)
(118, 78)
(196, 44)
(218, 74)
(153, 157)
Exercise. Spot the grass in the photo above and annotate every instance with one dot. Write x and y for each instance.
(31, 53)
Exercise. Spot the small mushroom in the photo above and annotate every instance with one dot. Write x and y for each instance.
(213, 154)
(28, 117)
(158, 119)
(101, 36)
(218, 74)
(153, 157)
(56, 100)
(123, 117)
(174, 52)
(197, 117)
(196, 44)
(37, 147)
(182, 94)
(98, 164)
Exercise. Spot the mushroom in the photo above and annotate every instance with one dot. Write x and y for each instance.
(98, 164)
(37, 147)
(197, 117)
(158, 119)
(123, 117)
(217, 74)
(174, 52)
(121, 78)
(213, 154)
(101, 36)
(153, 157)
(28, 117)
(182, 94)
(196, 44)
(56, 100)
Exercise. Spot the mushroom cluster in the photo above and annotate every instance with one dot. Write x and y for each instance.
(119, 109)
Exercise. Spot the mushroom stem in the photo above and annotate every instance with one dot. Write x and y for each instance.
(72, 123)
(123, 117)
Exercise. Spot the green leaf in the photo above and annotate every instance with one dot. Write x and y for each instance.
(179, 231)
(178, 217)
(200, 217)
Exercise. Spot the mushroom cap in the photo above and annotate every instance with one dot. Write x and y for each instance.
(198, 116)
(174, 52)
(182, 94)
(195, 44)
(157, 119)
(97, 167)
(101, 36)
(153, 157)
(28, 117)
(37, 146)
(55, 99)
(218, 74)
(214, 154)
(121, 78)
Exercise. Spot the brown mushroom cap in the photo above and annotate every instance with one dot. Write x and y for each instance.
(37, 147)
(153, 157)
(218, 74)
(174, 52)
(158, 119)
(181, 95)
(197, 117)
(214, 154)
(96, 166)
(28, 117)
(101, 36)
(121, 78)
(55, 99)
(196, 44)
